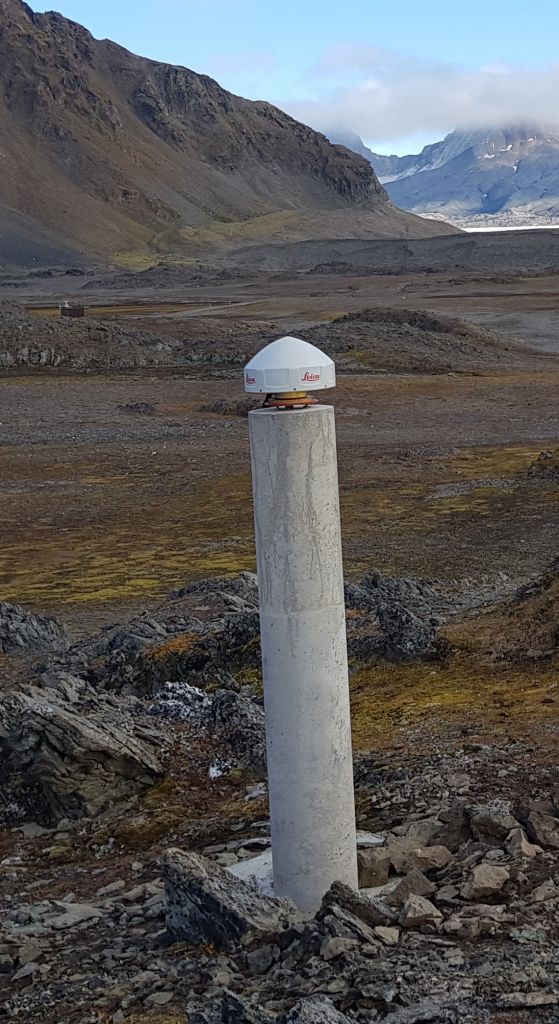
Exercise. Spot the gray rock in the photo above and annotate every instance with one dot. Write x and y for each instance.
(421, 1012)
(260, 960)
(82, 756)
(239, 723)
(206, 903)
(27, 954)
(413, 884)
(158, 998)
(371, 911)
(418, 911)
(398, 848)
(519, 1000)
(20, 631)
(26, 972)
(485, 880)
(388, 936)
(544, 892)
(455, 829)
(517, 845)
(543, 829)
(74, 914)
(491, 823)
(426, 858)
(333, 947)
(314, 1010)
(404, 608)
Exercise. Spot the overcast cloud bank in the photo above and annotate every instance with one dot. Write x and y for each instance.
(381, 94)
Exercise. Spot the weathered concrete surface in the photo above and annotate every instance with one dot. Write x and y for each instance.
(304, 652)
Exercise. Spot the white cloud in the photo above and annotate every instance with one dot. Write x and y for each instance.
(381, 94)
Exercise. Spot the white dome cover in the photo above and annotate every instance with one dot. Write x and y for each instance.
(289, 364)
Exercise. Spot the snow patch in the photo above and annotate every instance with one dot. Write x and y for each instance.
(258, 871)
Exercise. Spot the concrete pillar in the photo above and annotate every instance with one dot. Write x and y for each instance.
(304, 653)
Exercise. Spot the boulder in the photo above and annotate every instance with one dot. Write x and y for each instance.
(418, 911)
(79, 752)
(517, 844)
(491, 823)
(207, 904)
(543, 829)
(413, 884)
(485, 880)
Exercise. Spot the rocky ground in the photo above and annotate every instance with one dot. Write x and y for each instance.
(133, 782)
(378, 339)
(133, 806)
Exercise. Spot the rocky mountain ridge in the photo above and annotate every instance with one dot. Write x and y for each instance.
(134, 155)
(505, 176)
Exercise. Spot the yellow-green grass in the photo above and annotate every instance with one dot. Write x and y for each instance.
(96, 532)
(388, 700)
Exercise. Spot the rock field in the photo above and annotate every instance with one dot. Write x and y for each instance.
(125, 900)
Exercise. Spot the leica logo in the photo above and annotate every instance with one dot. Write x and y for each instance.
(311, 376)
(250, 380)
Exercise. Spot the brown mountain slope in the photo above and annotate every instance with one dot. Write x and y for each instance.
(108, 152)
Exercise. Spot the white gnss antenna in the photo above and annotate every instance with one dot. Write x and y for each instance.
(286, 370)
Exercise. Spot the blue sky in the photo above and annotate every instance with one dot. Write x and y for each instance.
(397, 73)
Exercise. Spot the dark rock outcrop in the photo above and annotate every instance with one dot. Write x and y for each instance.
(77, 752)
(239, 723)
(206, 904)
(20, 630)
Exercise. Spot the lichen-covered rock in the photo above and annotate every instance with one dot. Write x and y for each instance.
(491, 823)
(207, 904)
(239, 722)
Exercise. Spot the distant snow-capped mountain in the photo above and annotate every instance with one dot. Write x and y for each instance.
(499, 176)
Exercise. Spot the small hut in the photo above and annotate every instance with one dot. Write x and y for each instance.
(74, 311)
